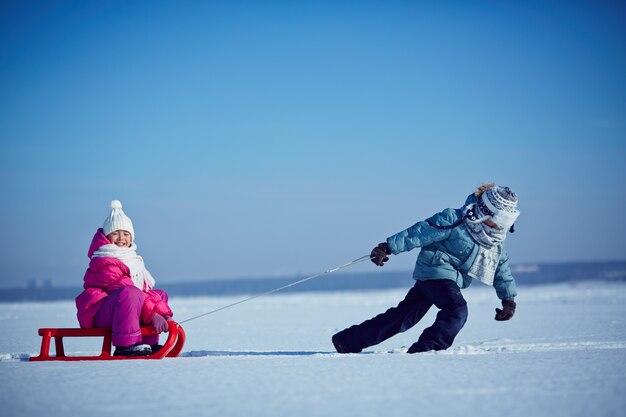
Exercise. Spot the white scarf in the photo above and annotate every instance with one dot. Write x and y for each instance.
(489, 249)
(140, 276)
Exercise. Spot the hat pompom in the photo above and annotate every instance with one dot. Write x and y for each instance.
(116, 204)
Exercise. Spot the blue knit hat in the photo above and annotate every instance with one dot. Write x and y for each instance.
(500, 204)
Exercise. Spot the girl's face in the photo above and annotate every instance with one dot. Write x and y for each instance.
(120, 238)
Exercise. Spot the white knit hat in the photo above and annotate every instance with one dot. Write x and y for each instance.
(117, 220)
(499, 203)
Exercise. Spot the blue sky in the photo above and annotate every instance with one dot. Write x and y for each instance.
(253, 139)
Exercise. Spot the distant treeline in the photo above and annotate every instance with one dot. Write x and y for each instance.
(529, 274)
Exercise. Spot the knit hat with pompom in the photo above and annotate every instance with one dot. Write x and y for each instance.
(499, 203)
(117, 220)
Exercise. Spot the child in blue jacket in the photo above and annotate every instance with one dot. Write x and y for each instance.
(457, 245)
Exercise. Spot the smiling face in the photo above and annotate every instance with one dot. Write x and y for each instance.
(120, 238)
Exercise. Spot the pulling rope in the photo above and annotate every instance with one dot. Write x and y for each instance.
(356, 261)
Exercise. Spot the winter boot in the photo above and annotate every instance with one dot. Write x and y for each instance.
(341, 346)
(137, 349)
(419, 347)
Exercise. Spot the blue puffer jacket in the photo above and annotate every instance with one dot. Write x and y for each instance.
(449, 254)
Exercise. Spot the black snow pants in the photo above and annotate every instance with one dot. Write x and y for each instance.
(443, 293)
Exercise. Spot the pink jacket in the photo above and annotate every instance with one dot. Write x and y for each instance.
(106, 275)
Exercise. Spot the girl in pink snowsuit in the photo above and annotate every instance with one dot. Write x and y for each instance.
(119, 289)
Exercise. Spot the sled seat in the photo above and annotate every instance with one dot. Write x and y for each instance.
(171, 348)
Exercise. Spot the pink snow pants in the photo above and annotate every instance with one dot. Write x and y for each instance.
(120, 311)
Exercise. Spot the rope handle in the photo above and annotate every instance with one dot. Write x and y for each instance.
(329, 271)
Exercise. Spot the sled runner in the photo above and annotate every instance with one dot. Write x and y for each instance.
(172, 347)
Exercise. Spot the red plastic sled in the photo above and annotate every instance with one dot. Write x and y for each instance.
(172, 347)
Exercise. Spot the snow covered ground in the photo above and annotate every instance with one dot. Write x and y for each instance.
(563, 354)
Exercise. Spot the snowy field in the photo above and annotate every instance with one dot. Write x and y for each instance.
(563, 354)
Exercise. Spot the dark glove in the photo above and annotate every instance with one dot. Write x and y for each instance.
(507, 311)
(159, 323)
(379, 254)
